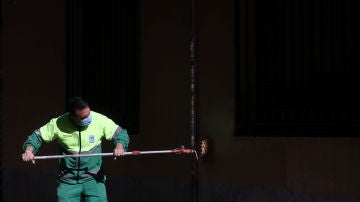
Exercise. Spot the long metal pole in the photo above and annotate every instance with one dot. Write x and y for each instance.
(134, 153)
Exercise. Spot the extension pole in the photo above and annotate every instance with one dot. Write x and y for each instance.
(133, 153)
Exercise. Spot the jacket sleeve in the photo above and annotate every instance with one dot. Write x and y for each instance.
(114, 132)
(45, 133)
(34, 140)
(121, 136)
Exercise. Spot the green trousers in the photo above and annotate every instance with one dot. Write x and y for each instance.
(90, 191)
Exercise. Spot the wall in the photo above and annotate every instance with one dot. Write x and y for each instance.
(259, 168)
(240, 168)
(33, 79)
(34, 73)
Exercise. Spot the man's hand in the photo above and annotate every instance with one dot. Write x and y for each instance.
(28, 156)
(119, 150)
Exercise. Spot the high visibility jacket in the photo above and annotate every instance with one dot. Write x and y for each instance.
(74, 140)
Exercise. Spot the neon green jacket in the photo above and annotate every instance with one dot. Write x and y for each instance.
(73, 140)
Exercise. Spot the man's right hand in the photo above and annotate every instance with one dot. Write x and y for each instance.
(28, 156)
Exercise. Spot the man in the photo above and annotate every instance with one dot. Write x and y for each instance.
(79, 131)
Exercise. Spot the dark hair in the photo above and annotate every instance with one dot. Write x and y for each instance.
(76, 103)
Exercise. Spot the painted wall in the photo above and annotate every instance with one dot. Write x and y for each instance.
(34, 60)
(34, 73)
(293, 168)
(240, 168)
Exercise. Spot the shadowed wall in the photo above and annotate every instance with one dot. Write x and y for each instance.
(241, 168)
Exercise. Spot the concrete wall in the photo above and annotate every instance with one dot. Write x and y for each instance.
(240, 168)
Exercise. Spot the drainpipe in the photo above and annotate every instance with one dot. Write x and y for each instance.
(194, 100)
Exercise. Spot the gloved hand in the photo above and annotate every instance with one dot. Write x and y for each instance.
(28, 156)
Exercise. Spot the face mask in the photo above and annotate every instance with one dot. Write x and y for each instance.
(86, 121)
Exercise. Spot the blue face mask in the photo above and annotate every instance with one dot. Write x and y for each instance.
(86, 121)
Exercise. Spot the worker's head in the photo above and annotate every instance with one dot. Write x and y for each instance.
(79, 111)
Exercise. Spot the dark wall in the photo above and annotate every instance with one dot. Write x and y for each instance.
(282, 168)
(33, 71)
(164, 94)
(239, 168)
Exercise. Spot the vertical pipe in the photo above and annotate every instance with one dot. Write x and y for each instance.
(194, 108)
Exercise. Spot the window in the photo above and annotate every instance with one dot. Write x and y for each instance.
(298, 68)
(103, 57)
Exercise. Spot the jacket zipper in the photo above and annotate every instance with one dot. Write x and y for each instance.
(78, 159)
